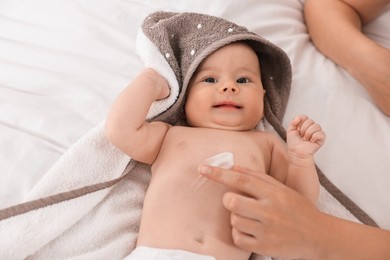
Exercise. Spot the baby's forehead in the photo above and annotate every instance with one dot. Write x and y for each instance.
(235, 47)
(245, 57)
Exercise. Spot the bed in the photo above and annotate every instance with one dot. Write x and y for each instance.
(63, 62)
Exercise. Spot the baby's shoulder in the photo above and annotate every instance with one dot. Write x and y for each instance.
(178, 131)
(264, 135)
(267, 137)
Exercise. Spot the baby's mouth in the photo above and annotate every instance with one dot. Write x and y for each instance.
(227, 104)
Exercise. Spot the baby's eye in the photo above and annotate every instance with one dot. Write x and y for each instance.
(242, 80)
(210, 80)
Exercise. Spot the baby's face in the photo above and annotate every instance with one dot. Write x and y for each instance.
(226, 91)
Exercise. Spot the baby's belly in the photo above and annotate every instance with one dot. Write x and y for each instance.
(187, 213)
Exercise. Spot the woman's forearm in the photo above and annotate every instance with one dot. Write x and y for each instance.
(335, 29)
(341, 239)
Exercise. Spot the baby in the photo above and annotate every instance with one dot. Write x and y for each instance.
(183, 214)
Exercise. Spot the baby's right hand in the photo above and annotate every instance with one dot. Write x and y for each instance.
(158, 81)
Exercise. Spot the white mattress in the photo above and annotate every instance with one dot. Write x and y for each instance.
(63, 62)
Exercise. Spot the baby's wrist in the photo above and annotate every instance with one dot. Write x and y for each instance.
(300, 159)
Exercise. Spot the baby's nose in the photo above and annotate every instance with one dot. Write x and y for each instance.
(229, 87)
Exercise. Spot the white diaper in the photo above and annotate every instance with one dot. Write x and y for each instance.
(151, 253)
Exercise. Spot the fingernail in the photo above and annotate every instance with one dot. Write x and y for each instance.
(204, 169)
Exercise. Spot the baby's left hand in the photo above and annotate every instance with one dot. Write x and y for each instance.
(304, 136)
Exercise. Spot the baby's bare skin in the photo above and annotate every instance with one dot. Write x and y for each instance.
(185, 212)
(223, 106)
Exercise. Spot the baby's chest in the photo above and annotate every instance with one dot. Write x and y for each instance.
(196, 147)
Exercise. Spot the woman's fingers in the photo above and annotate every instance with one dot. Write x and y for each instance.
(244, 225)
(242, 205)
(240, 179)
(244, 240)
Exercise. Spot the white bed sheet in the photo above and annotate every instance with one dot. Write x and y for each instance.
(63, 62)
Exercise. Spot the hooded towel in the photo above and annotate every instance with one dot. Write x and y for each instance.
(174, 44)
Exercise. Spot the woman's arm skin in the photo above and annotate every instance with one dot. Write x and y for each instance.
(335, 28)
(272, 219)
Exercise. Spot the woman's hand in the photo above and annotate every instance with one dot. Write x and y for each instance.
(267, 217)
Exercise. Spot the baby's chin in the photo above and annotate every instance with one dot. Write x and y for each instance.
(225, 127)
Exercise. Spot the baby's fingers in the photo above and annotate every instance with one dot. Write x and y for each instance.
(297, 122)
(318, 137)
(304, 128)
(314, 134)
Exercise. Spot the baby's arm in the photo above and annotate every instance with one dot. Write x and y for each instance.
(126, 127)
(304, 138)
